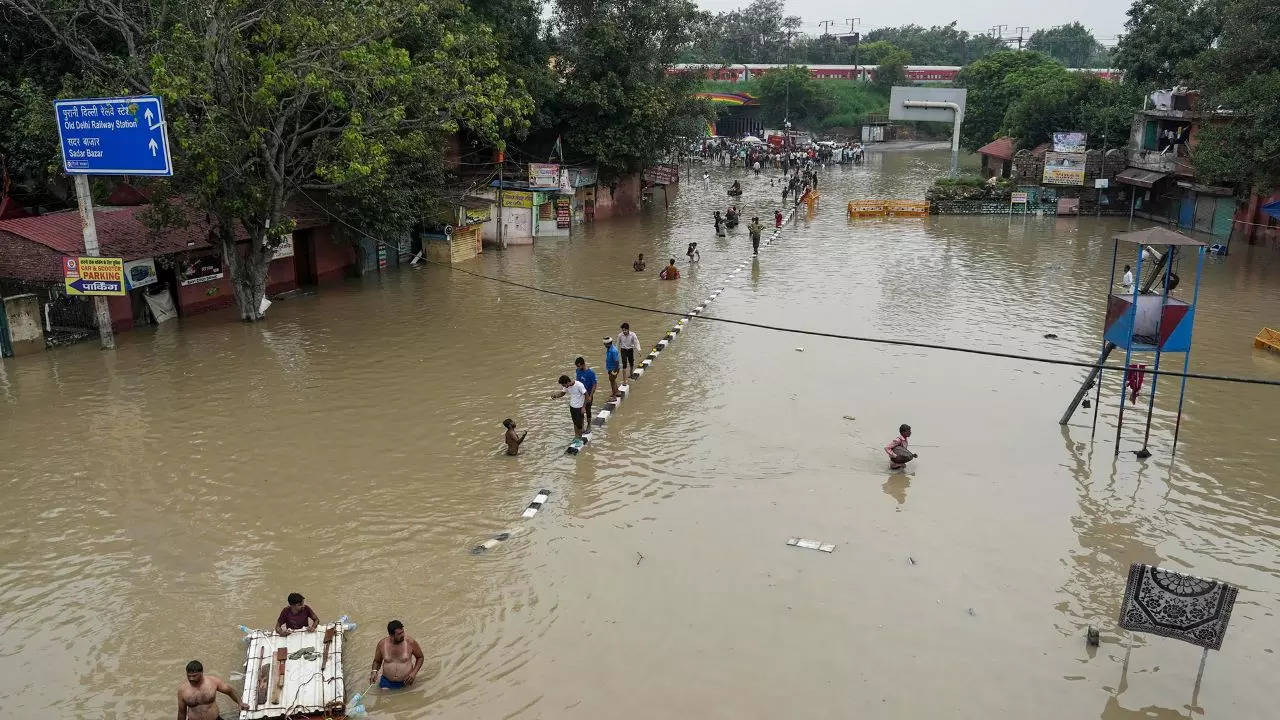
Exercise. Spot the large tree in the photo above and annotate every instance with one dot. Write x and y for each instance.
(1049, 98)
(994, 82)
(791, 93)
(1241, 77)
(1072, 45)
(271, 101)
(762, 32)
(891, 70)
(616, 104)
(937, 45)
(1163, 37)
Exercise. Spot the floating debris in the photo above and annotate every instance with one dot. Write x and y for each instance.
(811, 545)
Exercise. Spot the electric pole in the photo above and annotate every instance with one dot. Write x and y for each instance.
(826, 25)
(998, 32)
(1021, 30)
(857, 42)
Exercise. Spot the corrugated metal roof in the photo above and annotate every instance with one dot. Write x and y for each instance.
(121, 233)
(1157, 236)
(1140, 177)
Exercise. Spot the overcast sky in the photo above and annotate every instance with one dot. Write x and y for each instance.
(1104, 17)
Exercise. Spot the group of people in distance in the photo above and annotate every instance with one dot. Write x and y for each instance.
(396, 662)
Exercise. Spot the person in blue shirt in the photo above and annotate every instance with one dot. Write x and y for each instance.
(612, 364)
(587, 377)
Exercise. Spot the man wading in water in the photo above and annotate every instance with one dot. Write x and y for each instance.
(755, 229)
(399, 657)
(197, 697)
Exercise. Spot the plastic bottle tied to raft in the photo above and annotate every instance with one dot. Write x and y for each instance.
(346, 623)
(357, 711)
(246, 632)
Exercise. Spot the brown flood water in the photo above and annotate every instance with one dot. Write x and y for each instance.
(156, 497)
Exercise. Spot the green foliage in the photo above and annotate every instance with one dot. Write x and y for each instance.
(759, 33)
(1242, 75)
(1163, 37)
(937, 45)
(763, 33)
(969, 187)
(615, 103)
(994, 83)
(892, 70)
(1072, 45)
(1044, 101)
(270, 102)
(793, 93)
(843, 104)
(1045, 98)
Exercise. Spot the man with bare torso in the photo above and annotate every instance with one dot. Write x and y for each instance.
(398, 656)
(197, 697)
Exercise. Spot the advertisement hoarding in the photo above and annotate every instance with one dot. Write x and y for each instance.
(1069, 142)
(1063, 168)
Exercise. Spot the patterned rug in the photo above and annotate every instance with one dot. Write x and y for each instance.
(1183, 607)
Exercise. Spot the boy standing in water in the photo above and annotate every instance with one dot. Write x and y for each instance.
(898, 459)
(628, 342)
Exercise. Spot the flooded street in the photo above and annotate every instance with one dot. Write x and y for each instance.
(349, 448)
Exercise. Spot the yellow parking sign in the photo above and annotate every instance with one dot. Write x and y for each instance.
(93, 275)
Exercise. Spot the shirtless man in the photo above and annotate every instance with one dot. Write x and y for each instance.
(197, 697)
(512, 440)
(398, 656)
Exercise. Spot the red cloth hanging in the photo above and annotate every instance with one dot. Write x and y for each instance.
(1134, 379)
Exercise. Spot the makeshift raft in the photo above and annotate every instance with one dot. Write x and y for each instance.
(295, 676)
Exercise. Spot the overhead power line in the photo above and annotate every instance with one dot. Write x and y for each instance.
(818, 333)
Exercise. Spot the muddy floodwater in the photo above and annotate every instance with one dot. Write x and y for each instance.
(158, 496)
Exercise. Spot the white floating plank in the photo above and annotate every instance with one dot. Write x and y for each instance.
(811, 545)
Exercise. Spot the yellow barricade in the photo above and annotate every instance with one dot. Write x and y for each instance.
(905, 208)
(891, 208)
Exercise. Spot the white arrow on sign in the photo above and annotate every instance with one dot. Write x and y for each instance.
(147, 115)
(153, 146)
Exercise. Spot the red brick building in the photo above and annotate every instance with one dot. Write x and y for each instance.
(180, 261)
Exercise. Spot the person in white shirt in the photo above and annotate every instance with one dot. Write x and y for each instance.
(1128, 279)
(577, 393)
(628, 342)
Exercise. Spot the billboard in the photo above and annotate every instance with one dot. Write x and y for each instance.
(544, 175)
(1063, 168)
(199, 269)
(899, 111)
(664, 174)
(1069, 142)
(582, 177)
(140, 273)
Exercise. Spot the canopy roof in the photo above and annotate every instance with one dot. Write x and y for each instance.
(1157, 236)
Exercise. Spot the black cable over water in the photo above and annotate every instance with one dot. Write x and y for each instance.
(817, 333)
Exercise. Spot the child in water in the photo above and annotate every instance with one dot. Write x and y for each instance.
(692, 252)
(897, 451)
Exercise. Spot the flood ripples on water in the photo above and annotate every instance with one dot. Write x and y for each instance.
(348, 448)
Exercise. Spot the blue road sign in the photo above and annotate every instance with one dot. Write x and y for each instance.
(113, 136)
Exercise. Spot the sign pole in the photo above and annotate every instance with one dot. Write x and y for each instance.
(85, 201)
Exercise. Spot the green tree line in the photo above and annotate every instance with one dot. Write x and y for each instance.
(762, 32)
